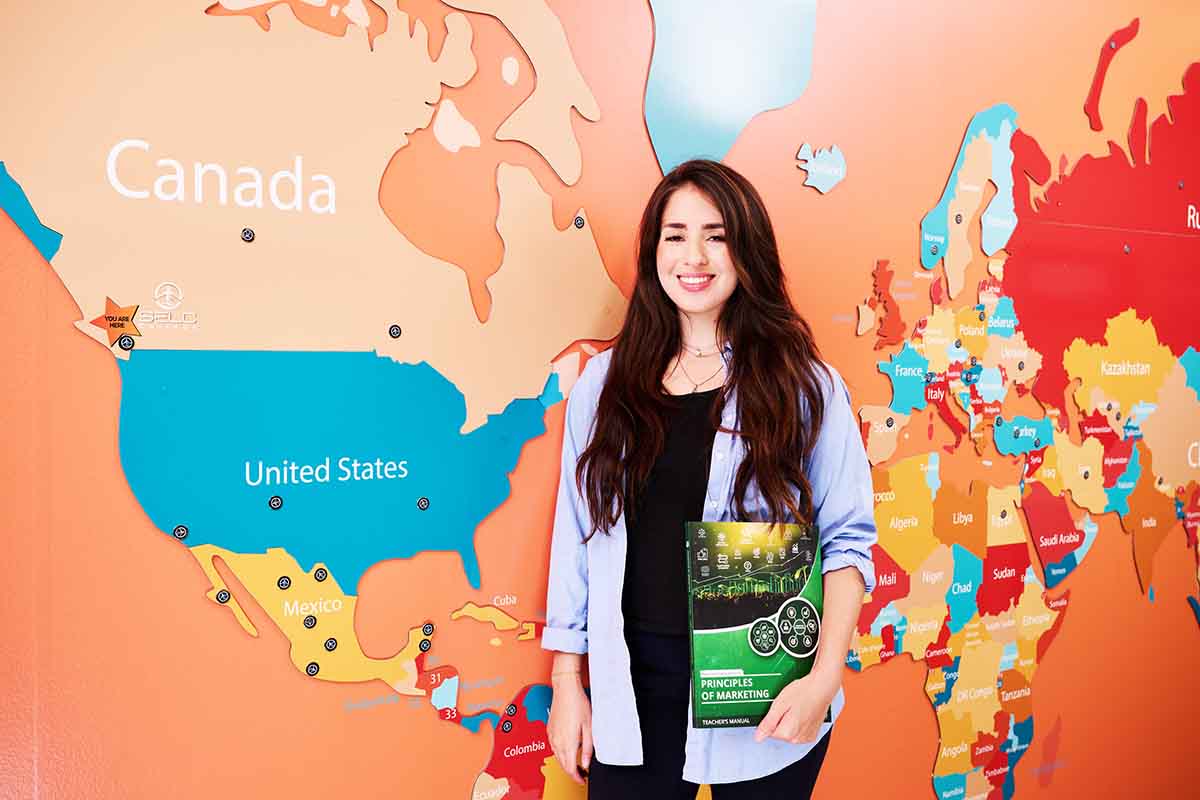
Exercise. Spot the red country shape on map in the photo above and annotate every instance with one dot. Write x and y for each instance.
(1003, 577)
(888, 651)
(1191, 517)
(428, 681)
(1109, 236)
(516, 754)
(891, 324)
(1116, 450)
(937, 394)
(937, 654)
(984, 749)
(891, 583)
(1108, 51)
(1050, 524)
(1033, 461)
(1058, 605)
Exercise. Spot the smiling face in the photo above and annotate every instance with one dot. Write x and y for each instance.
(695, 266)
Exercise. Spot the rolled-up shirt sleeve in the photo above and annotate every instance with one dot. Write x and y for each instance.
(843, 495)
(567, 589)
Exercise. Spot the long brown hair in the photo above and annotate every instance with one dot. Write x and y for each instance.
(773, 367)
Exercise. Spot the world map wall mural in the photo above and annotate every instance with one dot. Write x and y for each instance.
(296, 291)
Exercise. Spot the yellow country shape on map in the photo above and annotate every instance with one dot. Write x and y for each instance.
(290, 596)
(1129, 367)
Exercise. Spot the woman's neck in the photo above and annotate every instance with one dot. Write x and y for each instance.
(699, 331)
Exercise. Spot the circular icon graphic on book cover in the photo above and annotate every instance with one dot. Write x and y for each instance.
(799, 627)
(764, 637)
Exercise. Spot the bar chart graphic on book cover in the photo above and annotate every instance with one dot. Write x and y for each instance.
(754, 614)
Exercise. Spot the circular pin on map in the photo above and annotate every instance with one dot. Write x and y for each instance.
(247, 235)
(934, 249)
(764, 637)
(313, 668)
(579, 222)
(321, 574)
(891, 421)
(180, 532)
(958, 219)
(1020, 366)
(506, 726)
(425, 645)
(125, 342)
(283, 582)
(511, 710)
(423, 503)
(394, 331)
(310, 621)
(427, 629)
(800, 638)
(276, 502)
(331, 644)
(223, 596)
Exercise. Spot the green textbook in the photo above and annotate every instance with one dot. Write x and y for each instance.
(754, 615)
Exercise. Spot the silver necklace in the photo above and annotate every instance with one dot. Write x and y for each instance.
(696, 384)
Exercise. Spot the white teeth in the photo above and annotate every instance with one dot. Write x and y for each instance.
(698, 281)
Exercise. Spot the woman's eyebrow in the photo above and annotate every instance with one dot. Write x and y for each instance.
(706, 226)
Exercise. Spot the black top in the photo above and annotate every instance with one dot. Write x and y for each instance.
(654, 598)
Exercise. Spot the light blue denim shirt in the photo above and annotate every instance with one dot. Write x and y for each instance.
(583, 598)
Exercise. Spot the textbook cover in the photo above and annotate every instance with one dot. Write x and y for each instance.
(754, 615)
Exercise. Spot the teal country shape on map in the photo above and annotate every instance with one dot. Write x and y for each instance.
(756, 57)
(906, 370)
(997, 124)
(826, 167)
(14, 203)
(363, 453)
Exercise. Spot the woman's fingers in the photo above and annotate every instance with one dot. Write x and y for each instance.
(585, 758)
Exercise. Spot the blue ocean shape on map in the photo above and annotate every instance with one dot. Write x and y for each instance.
(1003, 321)
(1022, 435)
(933, 474)
(16, 204)
(192, 423)
(1195, 604)
(826, 167)
(999, 220)
(1191, 366)
(960, 597)
(906, 370)
(474, 723)
(1118, 495)
(755, 57)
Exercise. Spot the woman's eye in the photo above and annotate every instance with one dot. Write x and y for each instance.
(674, 237)
(716, 237)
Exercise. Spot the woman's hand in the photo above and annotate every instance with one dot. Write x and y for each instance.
(570, 728)
(797, 712)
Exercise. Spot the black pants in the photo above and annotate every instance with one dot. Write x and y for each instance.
(661, 675)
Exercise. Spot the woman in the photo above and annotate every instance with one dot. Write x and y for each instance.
(713, 404)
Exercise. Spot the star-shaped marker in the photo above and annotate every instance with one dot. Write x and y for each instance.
(117, 320)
